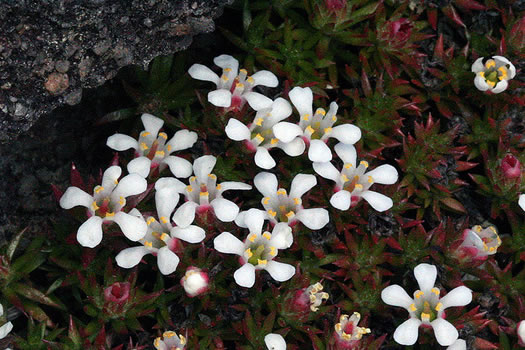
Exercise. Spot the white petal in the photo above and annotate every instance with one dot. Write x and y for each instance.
(341, 200)
(446, 333)
(190, 234)
(265, 78)
(130, 185)
(257, 101)
(185, 215)
(503, 60)
(521, 201)
(301, 184)
(274, 342)
(121, 142)
(1, 310)
(236, 130)
(480, 83)
(73, 197)
(500, 87)
(319, 151)
(395, 295)
(459, 296)
(266, 183)
(286, 131)
(130, 257)
(167, 261)
(378, 201)
(239, 220)
(234, 185)
(110, 177)
(140, 165)
(426, 276)
(347, 153)
(254, 220)
(179, 167)
(89, 234)
(228, 243)
(183, 139)
(384, 174)
(203, 166)
(282, 236)
(263, 159)
(294, 148)
(170, 182)
(346, 133)
(5, 329)
(302, 99)
(227, 61)
(245, 276)
(407, 332)
(326, 170)
(279, 271)
(132, 227)
(166, 200)
(201, 72)
(314, 219)
(281, 109)
(478, 65)
(459, 344)
(520, 329)
(151, 123)
(225, 210)
(220, 98)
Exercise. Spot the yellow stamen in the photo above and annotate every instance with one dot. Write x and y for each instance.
(150, 220)
(261, 262)
(435, 291)
(267, 235)
(273, 251)
(503, 71)
(320, 111)
(364, 163)
(490, 83)
(160, 153)
(204, 193)
(99, 189)
(344, 177)
(274, 141)
(164, 236)
(163, 219)
(419, 294)
(168, 147)
(146, 133)
(266, 200)
(250, 80)
(481, 74)
(189, 188)
(438, 306)
(334, 118)
(121, 201)
(227, 69)
(359, 186)
(110, 214)
(370, 179)
(193, 178)
(212, 176)
(272, 213)
(297, 201)
(156, 343)
(413, 307)
(306, 116)
(182, 339)
(239, 86)
(252, 237)
(169, 334)
(477, 228)
(490, 64)
(243, 71)
(348, 165)
(95, 206)
(225, 77)
(338, 327)
(491, 249)
(248, 252)
(327, 130)
(282, 208)
(425, 316)
(163, 135)
(143, 145)
(309, 129)
(281, 192)
(290, 214)
(148, 244)
(259, 138)
(219, 186)
(115, 181)
(259, 121)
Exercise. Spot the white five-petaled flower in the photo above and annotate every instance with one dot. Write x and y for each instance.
(426, 308)
(274, 341)
(204, 191)
(258, 249)
(153, 149)
(234, 86)
(105, 206)
(521, 201)
(282, 207)
(459, 344)
(479, 242)
(494, 74)
(5, 328)
(162, 236)
(353, 182)
(170, 341)
(315, 128)
(259, 137)
(347, 330)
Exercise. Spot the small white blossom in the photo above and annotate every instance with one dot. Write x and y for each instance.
(426, 308)
(234, 86)
(258, 250)
(162, 236)
(105, 206)
(347, 329)
(521, 201)
(353, 182)
(274, 341)
(315, 128)
(459, 344)
(316, 296)
(479, 242)
(259, 137)
(153, 149)
(195, 281)
(494, 74)
(6, 327)
(170, 341)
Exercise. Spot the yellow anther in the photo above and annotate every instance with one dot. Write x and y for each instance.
(338, 327)
(491, 83)
(327, 130)
(212, 176)
(477, 228)
(490, 64)
(148, 244)
(156, 343)
(227, 69)
(266, 200)
(435, 291)
(282, 208)
(168, 147)
(274, 141)
(193, 178)
(95, 206)
(356, 177)
(143, 145)
(261, 262)
(482, 74)
(413, 307)
(110, 214)
(491, 249)
(359, 186)
(320, 111)
(267, 235)
(370, 179)
(163, 135)
(259, 121)
(169, 334)
(348, 165)
(344, 177)
(189, 188)
(313, 298)
(160, 153)
(243, 71)
(163, 219)
(419, 294)
(250, 80)
(252, 237)
(325, 296)
(239, 86)
(273, 251)
(259, 138)
(164, 236)
(297, 201)
(309, 129)
(485, 247)
(425, 316)
(121, 201)
(146, 133)
(334, 118)
(281, 192)
(503, 71)
(248, 252)
(306, 117)
(364, 163)
(99, 189)
(150, 220)
(225, 77)
(438, 306)
(219, 187)
(290, 214)
(204, 194)
(115, 182)
(182, 339)
(272, 213)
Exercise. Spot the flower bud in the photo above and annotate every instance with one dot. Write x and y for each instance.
(195, 282)
(511, 167)
(117, 293)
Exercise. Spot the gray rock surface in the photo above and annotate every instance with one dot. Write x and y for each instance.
(51, 49)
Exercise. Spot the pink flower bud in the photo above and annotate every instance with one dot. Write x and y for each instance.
(118, 292)
(511, 167)
(195, 281)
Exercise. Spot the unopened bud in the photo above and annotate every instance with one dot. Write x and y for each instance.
(195, 281)
(511, 167)
(117, 293)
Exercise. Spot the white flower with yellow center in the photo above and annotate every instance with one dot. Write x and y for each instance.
(6, 327)
(105, 206)
(315, 128)
(274, 341)
(481, 242)
(353, 181)
(153, 149)
(170, 341)
(234, 86)
(162, 236)
(347, 329)
(493, 75)
(426, 308)
(259, 137)
(258, 250)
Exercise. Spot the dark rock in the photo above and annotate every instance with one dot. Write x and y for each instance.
(51, 50)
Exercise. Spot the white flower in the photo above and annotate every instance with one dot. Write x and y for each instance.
(152, 149)
(316, 296)
(426, 308)
(521, 201)
(6, 327)
(162, 237)
(274, 341)
(282, 207)
(258, 250)
(234, 86)
(204, 191)
(105, 206)
(259, 138)
(459, 344)
(353, 182)
(494, 74)
(195, 281)
(347, 329)
(170, 340)
(481, 242)
(315, 128)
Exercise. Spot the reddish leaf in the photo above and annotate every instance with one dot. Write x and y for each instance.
(451, 13)
(75, 177)
(470, 5)
(432, 18)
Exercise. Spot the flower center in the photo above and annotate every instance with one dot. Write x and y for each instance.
(104, 207)
(259, 252)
